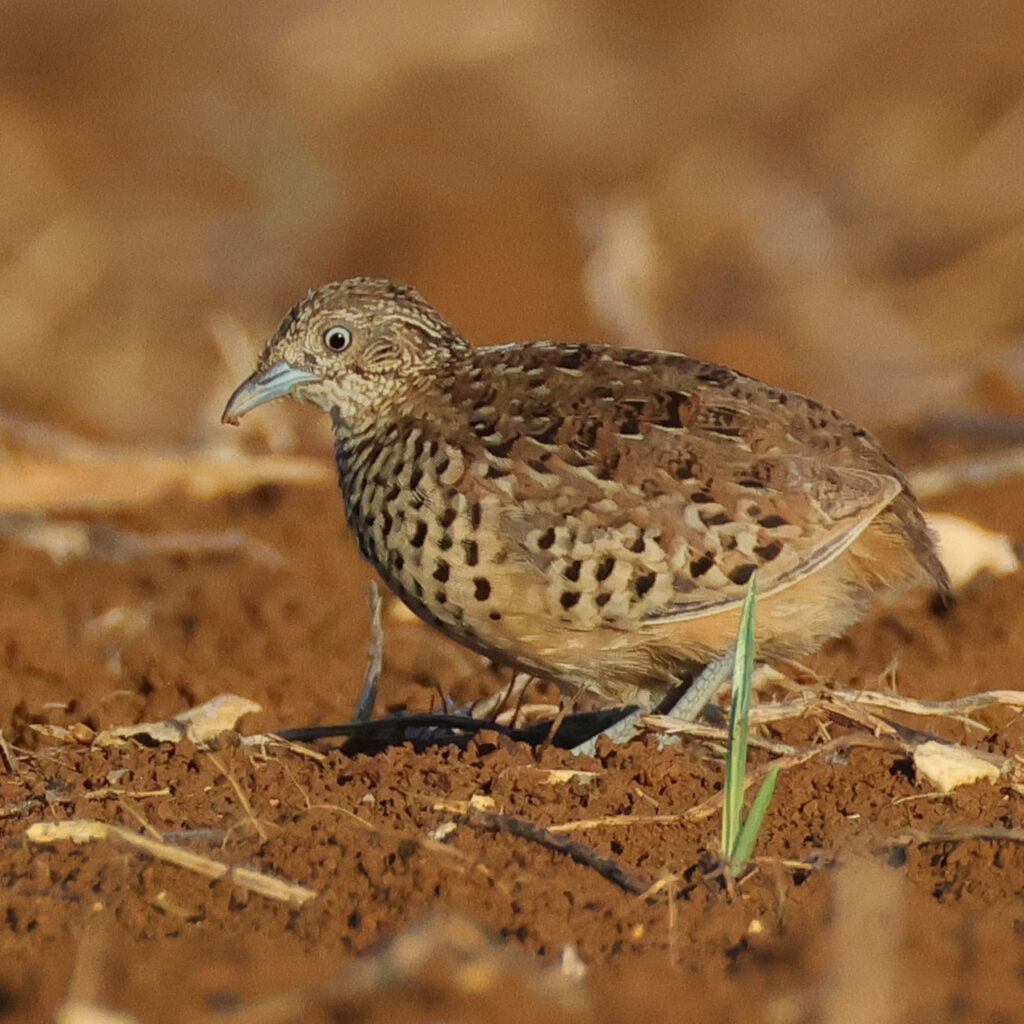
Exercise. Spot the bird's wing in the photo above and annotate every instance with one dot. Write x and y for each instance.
(656, 497)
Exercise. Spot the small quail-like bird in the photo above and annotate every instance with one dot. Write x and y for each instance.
(588, 514)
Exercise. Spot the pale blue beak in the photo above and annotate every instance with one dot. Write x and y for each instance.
(264, 386)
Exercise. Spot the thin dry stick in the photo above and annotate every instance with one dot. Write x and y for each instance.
(140, 818)
(961, 834)
(41, 485)
(10, 759)
(84, 830)
(698, 730)
(853, 713)
(556, 724)
(935, 708)
(762, 714)
(69, 539)
(110, 791)
(32, 802)
(263, 740)
(975, 470)
(496, 705)
(485, 821)
(240, 793)
(614, 820)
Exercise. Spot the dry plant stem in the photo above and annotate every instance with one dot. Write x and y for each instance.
(68, 539)
(715, 734)
(242, 798)
(33, 802)
(505, 704)
(616, 820)
(937, 708)
(51, 440)
(41, 486)
(854, 715)
(556, 724)
(134, 812)
(485, 821)
(7, 755)
(263, 740)
(672, 889)
(974, 471)
(762, 714)
(83, 830)
(961, 834)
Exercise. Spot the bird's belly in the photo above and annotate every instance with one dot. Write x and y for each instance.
(454, 566)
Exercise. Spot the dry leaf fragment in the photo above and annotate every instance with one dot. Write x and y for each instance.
(201, 724)
(77, 1011)
(967, 548)
(556, 776)
(949, 766)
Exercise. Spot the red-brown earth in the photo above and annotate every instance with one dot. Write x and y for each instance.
(851, 891)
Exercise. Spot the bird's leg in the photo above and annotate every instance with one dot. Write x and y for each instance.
(688, 707)
(702, 690)
(508, 699)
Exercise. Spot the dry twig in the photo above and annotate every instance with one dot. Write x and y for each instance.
(486, 821)
(972, 471)
(240, 793)
(137, 478)
(85, 830)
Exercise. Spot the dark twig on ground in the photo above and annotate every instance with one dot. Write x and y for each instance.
(486, 821)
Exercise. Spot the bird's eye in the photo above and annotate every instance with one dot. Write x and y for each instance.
(337, 339)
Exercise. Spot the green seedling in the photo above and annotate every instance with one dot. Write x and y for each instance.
(739, 834)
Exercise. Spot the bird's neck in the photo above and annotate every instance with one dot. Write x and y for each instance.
(403, 397)
(371, 440)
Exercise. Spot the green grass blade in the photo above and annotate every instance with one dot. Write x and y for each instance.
(752, 826)
(736, 763)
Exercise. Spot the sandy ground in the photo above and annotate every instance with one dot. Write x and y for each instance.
(416, 910)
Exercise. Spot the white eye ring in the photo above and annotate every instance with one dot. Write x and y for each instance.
(337, 339)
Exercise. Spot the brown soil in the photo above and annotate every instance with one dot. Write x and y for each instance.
(829, 199)
(840, 900)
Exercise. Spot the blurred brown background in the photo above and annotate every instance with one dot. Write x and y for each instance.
(828, 196)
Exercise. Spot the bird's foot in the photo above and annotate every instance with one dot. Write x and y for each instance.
(687, 708)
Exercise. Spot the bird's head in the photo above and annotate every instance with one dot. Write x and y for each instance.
(358, 349)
